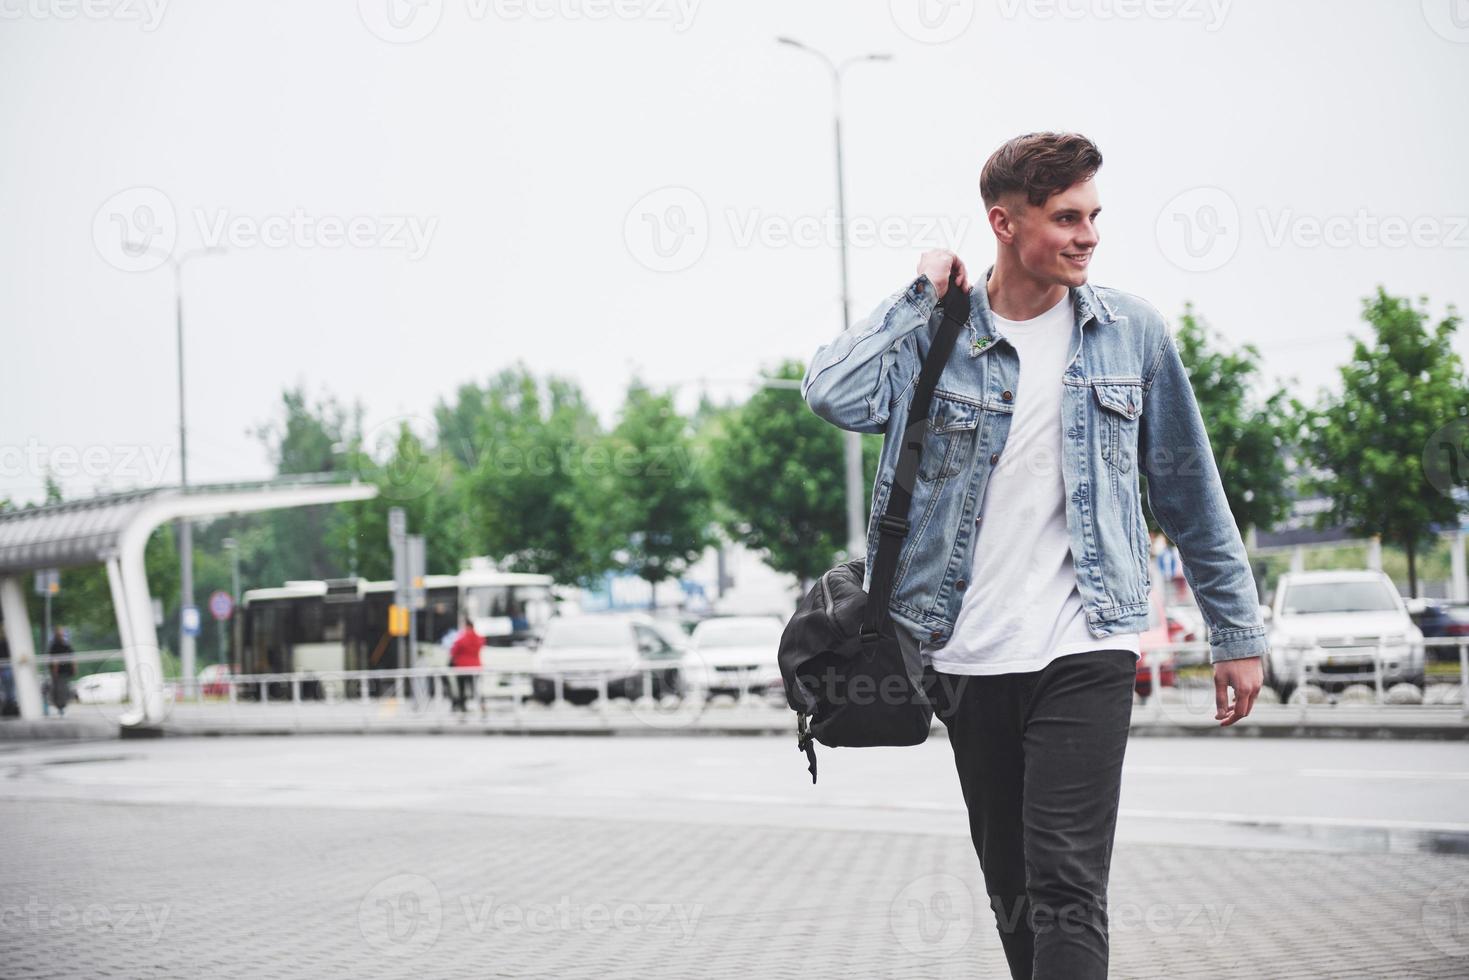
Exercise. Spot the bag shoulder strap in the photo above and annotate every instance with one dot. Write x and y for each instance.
(893, 526)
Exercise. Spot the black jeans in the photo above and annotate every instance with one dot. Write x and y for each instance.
(1039, 756)
(465, 686)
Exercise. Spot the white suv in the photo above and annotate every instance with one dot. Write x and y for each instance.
(1332, 624)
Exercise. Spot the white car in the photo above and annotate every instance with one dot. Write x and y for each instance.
(107, 687)
(730, 654)
(625, 651)
(1331, 624)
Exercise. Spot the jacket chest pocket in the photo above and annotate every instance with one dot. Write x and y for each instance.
(948, 437)
(1119, 406)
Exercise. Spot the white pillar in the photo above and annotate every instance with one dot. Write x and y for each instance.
(22, 647)
(1374, 553)
(1297, 559)
(146, 695)
(1460, 591)
(125, 637)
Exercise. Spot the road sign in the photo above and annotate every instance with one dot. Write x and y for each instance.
(221, 605)
(191, 620)
(48, 581)
(415, 561)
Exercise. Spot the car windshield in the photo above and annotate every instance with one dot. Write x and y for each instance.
(1338, 597)
(586, 633)
(742, 634)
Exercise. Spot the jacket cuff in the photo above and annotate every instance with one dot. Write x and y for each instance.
(922, 296)
(1238, 644)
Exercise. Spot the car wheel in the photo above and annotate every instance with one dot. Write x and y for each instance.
(579, 697)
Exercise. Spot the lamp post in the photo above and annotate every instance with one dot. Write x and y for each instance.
(233, 547)
(852, 441)
(185, 529)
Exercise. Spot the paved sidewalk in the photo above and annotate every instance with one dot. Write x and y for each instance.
(137, 890)
(1183, 712)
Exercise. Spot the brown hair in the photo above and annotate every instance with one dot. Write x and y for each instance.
(1038, 165)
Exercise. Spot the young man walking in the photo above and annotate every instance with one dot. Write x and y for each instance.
(1023, 579)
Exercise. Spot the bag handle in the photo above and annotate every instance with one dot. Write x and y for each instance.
(893, 526)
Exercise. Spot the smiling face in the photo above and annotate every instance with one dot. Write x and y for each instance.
(1053, 242)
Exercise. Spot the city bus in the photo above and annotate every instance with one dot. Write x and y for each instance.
(342, 624)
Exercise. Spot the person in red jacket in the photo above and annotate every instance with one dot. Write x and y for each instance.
(465, 653)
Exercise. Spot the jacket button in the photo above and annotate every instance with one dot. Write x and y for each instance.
(978, 519)
(1006, 395)
(994, 457)
(918, 286)
(936, 635)
(961, 584)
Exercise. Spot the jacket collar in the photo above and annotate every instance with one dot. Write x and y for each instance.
(1085, 300)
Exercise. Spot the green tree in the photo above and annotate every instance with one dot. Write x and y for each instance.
(1250, 436)
(532, 492)
(659, 507)
(1398, 393)
(777, 471)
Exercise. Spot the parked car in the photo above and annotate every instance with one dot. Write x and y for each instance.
(214, 681)
(106, 687)
(1331, 624)
(730, 654)
(586, 651)
(1438, 617)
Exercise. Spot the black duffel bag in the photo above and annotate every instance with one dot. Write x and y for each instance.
(843, 670)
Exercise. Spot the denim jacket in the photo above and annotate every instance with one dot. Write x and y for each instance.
(1127, 408)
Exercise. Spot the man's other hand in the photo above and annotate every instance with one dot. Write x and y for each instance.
(939, 264)
(1245, 675)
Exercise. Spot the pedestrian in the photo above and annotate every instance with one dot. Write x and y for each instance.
(1023, 580)
(465, 653)
(8, 706)
(61, 672)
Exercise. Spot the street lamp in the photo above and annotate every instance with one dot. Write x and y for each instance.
(185, 529)
(233, 547)
(852, 441)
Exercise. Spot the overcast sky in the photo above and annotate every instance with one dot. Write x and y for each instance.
(413, 197)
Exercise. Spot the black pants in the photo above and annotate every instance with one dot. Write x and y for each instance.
(465, 685)
(1039, 756)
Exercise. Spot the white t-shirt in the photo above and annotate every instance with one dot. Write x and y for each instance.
(1022, 608)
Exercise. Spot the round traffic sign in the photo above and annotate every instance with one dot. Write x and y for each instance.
(221, 605)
